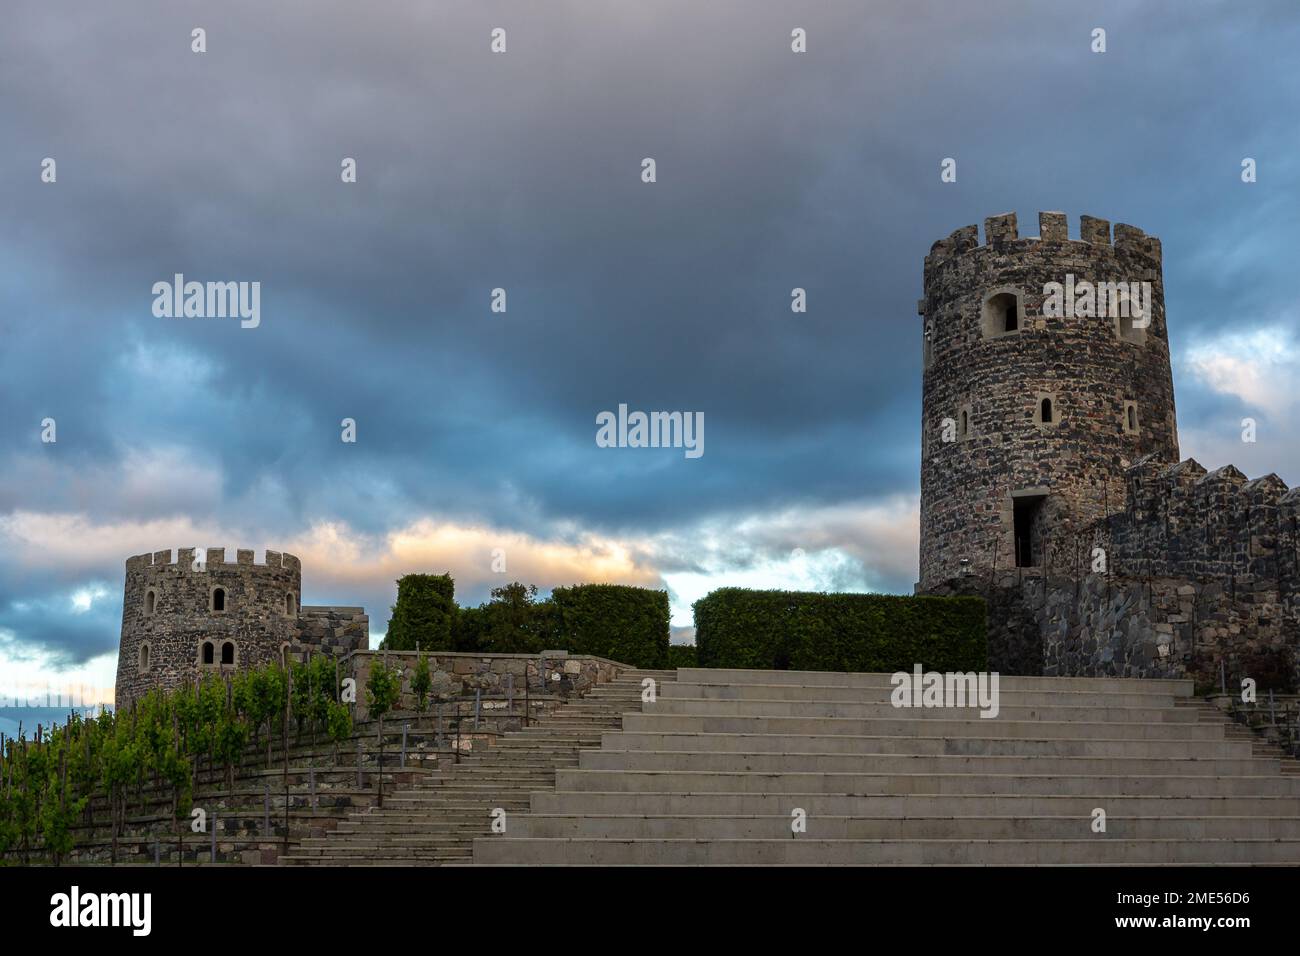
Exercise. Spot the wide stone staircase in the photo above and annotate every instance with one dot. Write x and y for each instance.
(435, 822)
(722, 768)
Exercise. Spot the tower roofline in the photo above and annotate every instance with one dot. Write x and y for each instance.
(1002, 230)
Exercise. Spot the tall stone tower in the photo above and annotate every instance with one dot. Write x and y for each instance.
(1036, 396)
(184, 619)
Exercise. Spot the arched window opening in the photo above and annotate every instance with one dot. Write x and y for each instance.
(208, 651)
(144, 657)
(150, 602)
(228, 653)
(219, 599)
(1129, 423)
(965, 423)
(290, 604)
(1002, 314)
(1046, 412)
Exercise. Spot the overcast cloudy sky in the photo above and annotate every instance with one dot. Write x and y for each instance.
(522, 171)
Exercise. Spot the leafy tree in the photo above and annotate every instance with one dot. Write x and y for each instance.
(58, 817)
(383, 688)
(261, 700)
(421, 682)
(468, 629)
(514, 620)
(314, 689)
(339, 725)
(120, 766)
(230, 739)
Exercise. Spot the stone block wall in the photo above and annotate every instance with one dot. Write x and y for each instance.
(1113, 625)
(337, 631)
(1181, 521)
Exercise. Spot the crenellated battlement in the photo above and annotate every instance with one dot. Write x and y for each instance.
(212, 557)
(1183, 521)
(1001, 235)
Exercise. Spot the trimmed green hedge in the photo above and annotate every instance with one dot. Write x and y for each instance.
(423, 614)
(681, 655)
(622, 623)
(799, 630)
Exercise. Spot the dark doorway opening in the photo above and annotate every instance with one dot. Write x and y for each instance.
(1028, 529)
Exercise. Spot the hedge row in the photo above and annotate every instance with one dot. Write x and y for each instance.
(424, 613)
(621, 623)
(681, 655)
(797, 630)
(624, 624)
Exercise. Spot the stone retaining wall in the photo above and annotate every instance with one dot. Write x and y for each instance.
(1110, 625)
(496, 677)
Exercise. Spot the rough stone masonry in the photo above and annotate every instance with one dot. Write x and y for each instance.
(182, 619)
(1051, 482)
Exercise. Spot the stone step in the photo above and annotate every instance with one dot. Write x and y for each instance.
(462, 794)
(1097, 850)
(845, 743)
(520, 762)
(540, 747)
(373, 851)
(778, 826)
(352, 841)
(387, 864)
(434, 823)
(460, 797)
(582, 718)
(524, 759)
(883, 695)
(787, 763)
(899, 726)
(882, 709)
(637, 673)
(597, 803)
(885, 783)
(423, 818)
(1124, 685)
(400, 823)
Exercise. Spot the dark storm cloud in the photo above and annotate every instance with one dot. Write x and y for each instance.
(50, 620)
(522, 171)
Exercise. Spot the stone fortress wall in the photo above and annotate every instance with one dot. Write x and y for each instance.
(1203, 570)
(185, 618)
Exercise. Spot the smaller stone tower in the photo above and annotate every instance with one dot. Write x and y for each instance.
(185, 618)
